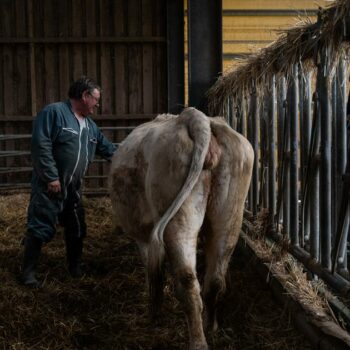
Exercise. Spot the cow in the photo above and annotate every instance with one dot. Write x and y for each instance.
(171, 179)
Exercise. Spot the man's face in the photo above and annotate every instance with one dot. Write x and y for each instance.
(90, 101)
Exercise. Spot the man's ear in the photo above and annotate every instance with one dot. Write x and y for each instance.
(84, 95)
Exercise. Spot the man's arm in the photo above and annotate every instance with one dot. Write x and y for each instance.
(104, 147)
(41, 149)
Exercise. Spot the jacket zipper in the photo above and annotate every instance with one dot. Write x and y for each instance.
(78, 158)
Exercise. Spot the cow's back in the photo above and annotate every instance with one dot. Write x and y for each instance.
(149, 170)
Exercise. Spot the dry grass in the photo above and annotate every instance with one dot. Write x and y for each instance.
(304, 43)
(290, 272)
(107, 308)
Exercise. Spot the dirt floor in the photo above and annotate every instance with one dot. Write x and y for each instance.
(107, 308)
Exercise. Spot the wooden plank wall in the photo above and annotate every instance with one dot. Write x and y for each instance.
(45, 45)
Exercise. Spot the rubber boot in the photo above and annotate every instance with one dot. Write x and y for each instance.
(32, 250)
(74, 249)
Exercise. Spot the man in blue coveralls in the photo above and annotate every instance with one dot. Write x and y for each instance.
(64, 142)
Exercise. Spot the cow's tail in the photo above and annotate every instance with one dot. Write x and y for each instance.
(198, 127)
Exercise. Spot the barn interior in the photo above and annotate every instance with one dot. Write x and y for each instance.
(152, 57)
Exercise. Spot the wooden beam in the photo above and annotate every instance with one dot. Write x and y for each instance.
(81, 40)
(31, 58)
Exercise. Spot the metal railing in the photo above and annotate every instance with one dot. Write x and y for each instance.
(12, 170)
(301, 175)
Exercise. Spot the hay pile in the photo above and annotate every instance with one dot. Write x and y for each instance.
(312, 295)
(304, 43)
(107, 309)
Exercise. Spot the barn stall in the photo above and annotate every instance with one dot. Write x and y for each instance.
(108, 307)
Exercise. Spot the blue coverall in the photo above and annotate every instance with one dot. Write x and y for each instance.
(61, 150)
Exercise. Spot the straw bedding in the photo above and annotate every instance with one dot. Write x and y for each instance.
(107, 308)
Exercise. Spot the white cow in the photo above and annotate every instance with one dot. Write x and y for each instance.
(168, 177)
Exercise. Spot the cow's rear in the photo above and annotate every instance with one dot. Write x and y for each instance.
(169, 176)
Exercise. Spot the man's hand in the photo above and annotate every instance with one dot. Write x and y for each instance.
(54, 186)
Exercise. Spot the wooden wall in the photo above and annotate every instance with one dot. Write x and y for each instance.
(47, 44)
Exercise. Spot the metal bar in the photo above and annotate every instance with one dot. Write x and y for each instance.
(15, 170)
(14, 185)
(334, 150)
(301, 82)
(117, 127)
(244, 116)
(116, 117)
(175, 54)
(15, 137)
(280, 144)
(294, 211)
(315, 182)
(96, 177)
(229, 112)
(263, 110)
(272, 161)
(325, 169)
(305, 134)
(83, 40)
(250, 138)
(286, 173)
(341, 156)
(13, 153)
(255, 144)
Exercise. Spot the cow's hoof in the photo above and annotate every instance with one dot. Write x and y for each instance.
(201, 346)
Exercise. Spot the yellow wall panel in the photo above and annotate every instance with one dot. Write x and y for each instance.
(272, 4)
(249, 25)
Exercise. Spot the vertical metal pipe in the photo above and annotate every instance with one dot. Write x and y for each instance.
(272, 162)
(228, 113)
(305, 135)
(325, 168)
(294, 197)
(334, 151)
(249, 137)
(263, 200)
(286, 175)
(244, 115)
(282, 92)
(342, 153)
(255, 177)
(281, 111)
(315, 183)
(303, 156)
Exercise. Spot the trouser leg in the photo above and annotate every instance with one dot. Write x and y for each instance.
(72, 219)
(42, 218)
(32, 249)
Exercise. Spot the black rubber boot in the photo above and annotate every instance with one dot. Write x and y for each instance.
(74, 248)
(32, 250)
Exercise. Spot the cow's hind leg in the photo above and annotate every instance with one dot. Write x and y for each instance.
(181, 246)
(219, 248)
(222, 226)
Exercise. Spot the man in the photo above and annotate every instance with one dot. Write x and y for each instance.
(64, 142)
